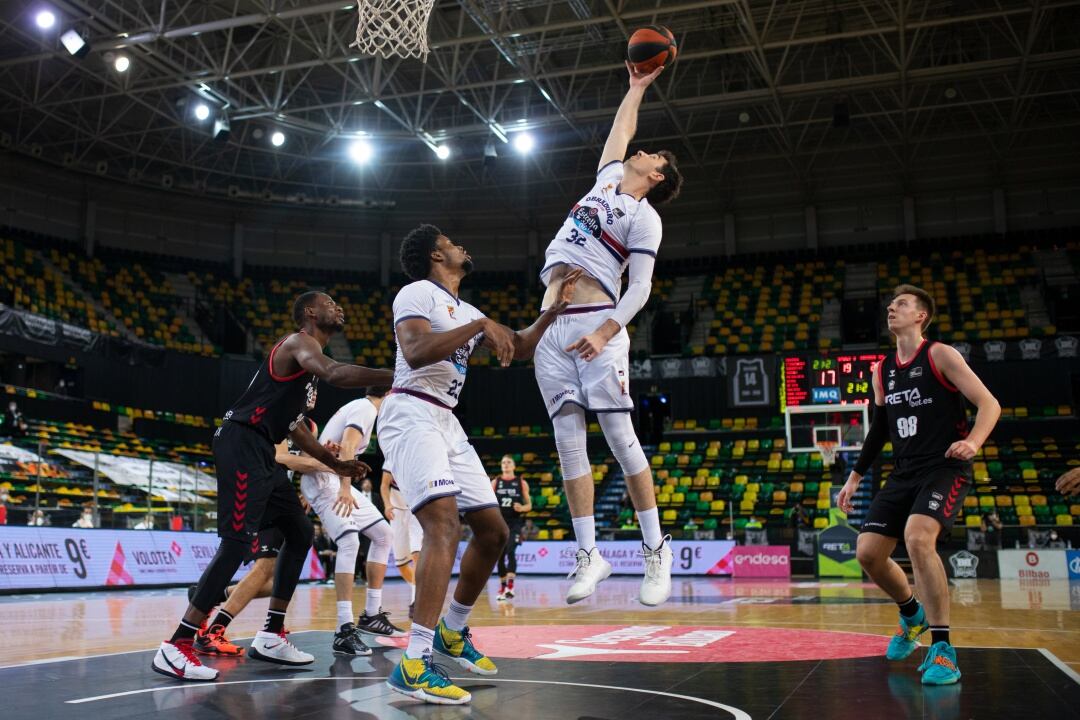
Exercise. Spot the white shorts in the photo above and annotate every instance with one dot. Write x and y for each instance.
(408, 535)
(602, 385)
(431, 455)
(321, 490)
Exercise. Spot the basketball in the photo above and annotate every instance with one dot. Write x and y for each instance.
(650, 47)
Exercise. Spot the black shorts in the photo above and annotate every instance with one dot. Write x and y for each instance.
(938, 492)
(514, 523)
(254, 492)
(267, 544)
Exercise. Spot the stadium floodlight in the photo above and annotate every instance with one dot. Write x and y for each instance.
(524, 143)
(202, 112)
(442, 152)
(122, 63)
(45, 19)
(75, 43)
(277, 139)
(361, 151)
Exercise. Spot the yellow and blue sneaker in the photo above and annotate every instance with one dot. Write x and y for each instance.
(906, 639)
(939, 667)
(422, 679)
(458, 647)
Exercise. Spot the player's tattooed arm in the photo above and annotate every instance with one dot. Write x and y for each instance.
(525, 341)
(950, 363)
(307, 353)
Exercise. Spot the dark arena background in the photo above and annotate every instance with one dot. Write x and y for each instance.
(173, 174)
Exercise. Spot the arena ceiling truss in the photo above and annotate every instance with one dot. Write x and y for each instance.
(767, 97)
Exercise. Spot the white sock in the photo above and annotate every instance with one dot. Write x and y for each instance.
(650, 527)
(412, 593)
(374, 601)
(457, 615)
(344, 612)
(420, 640)
(585, 532)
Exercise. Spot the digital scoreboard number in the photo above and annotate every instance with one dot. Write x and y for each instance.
(828, 380)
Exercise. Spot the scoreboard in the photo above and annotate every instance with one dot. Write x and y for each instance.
(828, 379)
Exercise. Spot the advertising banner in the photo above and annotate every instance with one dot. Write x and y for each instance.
(1073, 559)
(703, 557)
(761, 561)
(45, 558)
(836, 552)
(1033, 565)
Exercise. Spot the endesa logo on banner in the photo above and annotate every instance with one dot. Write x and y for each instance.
(761, 561)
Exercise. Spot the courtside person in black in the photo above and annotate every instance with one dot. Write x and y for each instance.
(512, 493)
(920, 396)
(251, 495)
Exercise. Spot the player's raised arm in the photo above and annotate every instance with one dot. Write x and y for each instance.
(953, 368)
(625, 125)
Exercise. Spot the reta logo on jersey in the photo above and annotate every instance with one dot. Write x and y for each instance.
(912, 397)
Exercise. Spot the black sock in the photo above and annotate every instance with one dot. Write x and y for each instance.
(275, 621)
(184, 631)
(909, 608)
(222, 618)
(939, 633)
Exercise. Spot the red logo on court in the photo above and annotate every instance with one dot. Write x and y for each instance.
(1032, 559)
(118, 574)
(667, 643)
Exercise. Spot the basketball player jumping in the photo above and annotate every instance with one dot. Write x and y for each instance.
(408, 535)
(584, 362)
(919, 393)
(251, 495)
(437, 470)
(346, 514)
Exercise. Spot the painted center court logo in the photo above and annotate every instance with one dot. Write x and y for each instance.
(667, 643)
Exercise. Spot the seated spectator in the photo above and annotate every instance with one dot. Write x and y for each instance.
(529, 531)
(37, 519)
(147, 523)
(14, 425)
(86, 520)
(990, 525)
(1054, 540)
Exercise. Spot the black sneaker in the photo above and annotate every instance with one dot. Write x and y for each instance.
(348, 642)
(378, 624)
(509, 593)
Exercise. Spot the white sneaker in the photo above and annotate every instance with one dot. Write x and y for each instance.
(590, 569)
(656, 585)
(178, 660)
(276, 648)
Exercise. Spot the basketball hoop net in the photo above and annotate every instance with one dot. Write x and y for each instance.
(827, 450)
(393, 27)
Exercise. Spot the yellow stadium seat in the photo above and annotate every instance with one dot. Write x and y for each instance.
(716, 506)
(1038, 499)
(972, 521)
(669, 516)
(746, 505)
(971, 501)
(1026, 520)
(823, 504)
(663, 499)
(1023, 511)
(821, 523)
(1064, 519)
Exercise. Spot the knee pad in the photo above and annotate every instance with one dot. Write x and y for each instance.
(569, 425)
(620, 436)
(381, 537)
(348, 548)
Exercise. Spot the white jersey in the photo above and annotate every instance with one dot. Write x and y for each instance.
(359, 414)
(440, 382)
(602, 230)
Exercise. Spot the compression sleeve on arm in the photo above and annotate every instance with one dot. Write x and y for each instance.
(875, 440)
(637, 290)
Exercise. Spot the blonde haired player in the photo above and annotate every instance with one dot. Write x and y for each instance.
(583, 362)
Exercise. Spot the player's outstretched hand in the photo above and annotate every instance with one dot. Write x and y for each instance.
(502, 341)
(566, 290)
(345, 503)
(389, 513)
(962, 450)
(1069, 483)
(843, 498)
(640, 79)
(352, 469)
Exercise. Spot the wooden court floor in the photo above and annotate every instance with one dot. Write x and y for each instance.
(985, 613)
